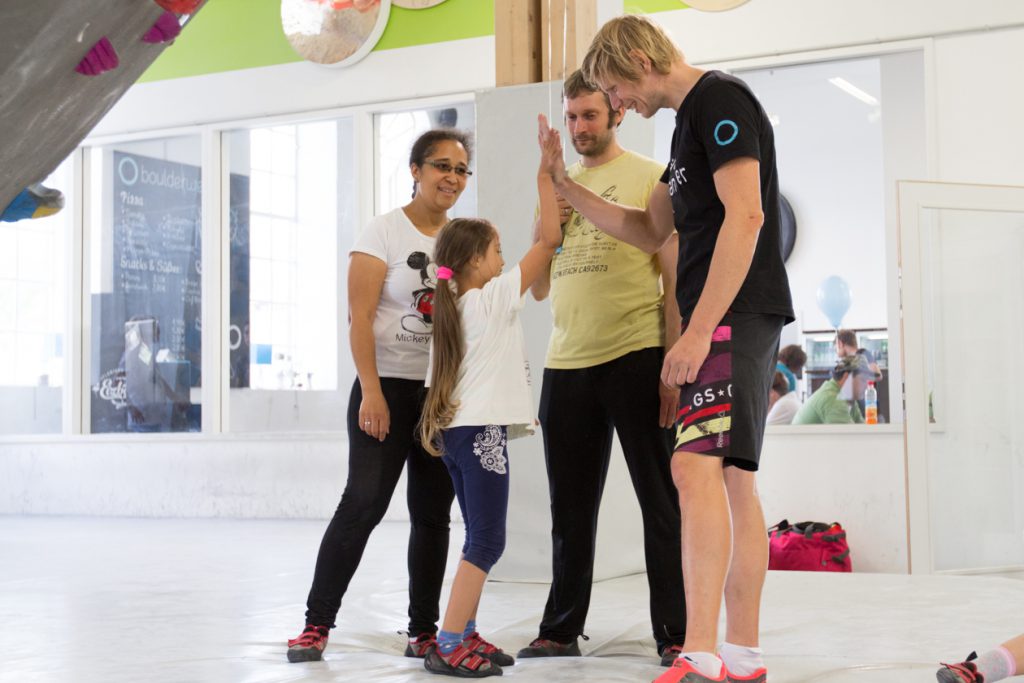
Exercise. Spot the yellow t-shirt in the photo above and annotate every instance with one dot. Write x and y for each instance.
(606, 298)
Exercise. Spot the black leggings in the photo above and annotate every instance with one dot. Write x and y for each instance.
(578, 411)
(373, 471)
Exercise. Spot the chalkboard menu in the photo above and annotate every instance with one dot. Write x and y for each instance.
(156, 238)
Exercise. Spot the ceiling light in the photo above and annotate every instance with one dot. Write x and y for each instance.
(854, 91)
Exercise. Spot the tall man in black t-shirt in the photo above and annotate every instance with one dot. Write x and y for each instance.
(720, 192)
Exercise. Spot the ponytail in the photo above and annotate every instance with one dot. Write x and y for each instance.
(457, 243)
(449, 348)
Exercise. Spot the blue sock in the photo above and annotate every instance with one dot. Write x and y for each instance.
(470, 629)
(447, 641)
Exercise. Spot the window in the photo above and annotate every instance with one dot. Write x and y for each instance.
(292, 201)
(33, 308)
(145, 301)
(396, 133)
(292, 206)
(830, 121)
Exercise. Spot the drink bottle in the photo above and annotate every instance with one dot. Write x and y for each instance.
(871, 404)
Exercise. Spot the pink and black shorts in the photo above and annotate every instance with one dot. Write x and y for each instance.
(723, 413)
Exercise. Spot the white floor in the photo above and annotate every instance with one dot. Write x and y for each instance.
(90, 600)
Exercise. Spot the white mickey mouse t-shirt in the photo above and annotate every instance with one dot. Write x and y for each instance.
(494, 380)
(404, 322)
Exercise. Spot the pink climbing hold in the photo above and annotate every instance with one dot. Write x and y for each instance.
(180, 6)
(101, 58)
(164, 30)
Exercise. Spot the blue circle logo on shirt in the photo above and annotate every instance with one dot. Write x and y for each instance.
(727, 124)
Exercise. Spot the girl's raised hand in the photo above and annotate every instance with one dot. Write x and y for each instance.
(551, 161)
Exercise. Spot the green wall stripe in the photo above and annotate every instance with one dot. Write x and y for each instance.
(451, 20)
(228, 35)
(651, 6)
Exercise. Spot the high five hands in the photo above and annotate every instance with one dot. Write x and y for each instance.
(551, 161)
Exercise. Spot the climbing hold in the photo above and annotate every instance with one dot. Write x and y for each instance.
(164, 30)
(35, 201)
(101, 58)
(180, 6)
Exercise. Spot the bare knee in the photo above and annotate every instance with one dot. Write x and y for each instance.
(694, 472)
(741, 481)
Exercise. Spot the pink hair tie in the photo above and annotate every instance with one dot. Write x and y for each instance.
(444, 273)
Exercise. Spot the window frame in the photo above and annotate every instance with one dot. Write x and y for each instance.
(216, 267)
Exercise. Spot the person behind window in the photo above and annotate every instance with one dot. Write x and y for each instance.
(846, 343)
(154, 404)
(391, 282)
(862, 382)
(791, 363)
(833, 402)
(872, 363)
(783, 403)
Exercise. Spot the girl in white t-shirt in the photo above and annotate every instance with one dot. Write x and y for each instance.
(479, 391)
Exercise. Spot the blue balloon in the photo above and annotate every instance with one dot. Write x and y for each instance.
(834, 299)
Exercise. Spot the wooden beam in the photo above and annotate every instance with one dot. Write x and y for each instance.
(582, 29)
(517, 41)
(541, 40)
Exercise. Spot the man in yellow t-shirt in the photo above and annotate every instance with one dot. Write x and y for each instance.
(612, 324)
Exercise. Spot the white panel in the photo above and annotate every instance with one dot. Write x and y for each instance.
(978, 117)
(507, 120)
(422, 71)
(976, 452)
(961, 246)
(770, 27)
(854, 476)
(825, 474)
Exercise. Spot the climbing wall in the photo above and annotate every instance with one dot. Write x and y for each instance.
(46, 106)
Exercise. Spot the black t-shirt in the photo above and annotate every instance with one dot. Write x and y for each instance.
(721, 120)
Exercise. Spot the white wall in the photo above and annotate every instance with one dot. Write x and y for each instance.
(420, 71)
(776, 27)
(288, 475)
(979, 106)
(835, 473)
(830, 474)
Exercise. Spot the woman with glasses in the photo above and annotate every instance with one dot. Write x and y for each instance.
(391, 281)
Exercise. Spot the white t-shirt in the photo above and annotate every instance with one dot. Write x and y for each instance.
(784, 410)
(494, 380)
(404, 322)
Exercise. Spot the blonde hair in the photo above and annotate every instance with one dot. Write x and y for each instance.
(457, 243)
(609, 54)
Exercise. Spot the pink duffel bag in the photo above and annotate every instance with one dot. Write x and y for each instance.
(809, 546)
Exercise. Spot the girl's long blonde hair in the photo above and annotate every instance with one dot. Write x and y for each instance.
(457, 243)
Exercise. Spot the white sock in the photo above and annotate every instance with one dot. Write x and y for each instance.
(741, 660)
(995, 665)
(705, 662)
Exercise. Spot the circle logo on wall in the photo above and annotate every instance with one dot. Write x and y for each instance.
(416, 4)
(128, 170)
(334, 32)
(714, 5)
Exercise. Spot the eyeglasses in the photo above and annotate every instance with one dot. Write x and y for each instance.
(445, 167)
